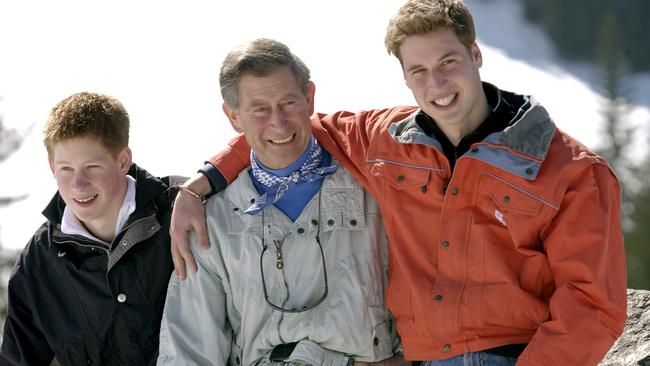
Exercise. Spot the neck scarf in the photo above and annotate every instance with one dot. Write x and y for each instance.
(276, 186)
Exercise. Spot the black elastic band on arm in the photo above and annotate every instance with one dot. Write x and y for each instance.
(217, 181)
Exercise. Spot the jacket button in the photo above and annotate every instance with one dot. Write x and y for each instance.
(438, 297)
(353, 222)
(301, 230)
(474, 150)
(375, 341)
(506, 199)
(125, 242)
(529, 171)
(314, 222)
(445, 244)
(330, 222)
(446, 348)
(400, 179)
(151, 227)
(252, 200)
(454, 191)
(121, 298)
(424, 189)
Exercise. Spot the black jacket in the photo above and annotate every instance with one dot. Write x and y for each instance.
(73, 299)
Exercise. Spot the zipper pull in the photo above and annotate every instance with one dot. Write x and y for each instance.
(278, 255)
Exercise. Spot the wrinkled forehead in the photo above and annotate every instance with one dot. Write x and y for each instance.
(277, 85)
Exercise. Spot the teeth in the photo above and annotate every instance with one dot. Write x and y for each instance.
(84, 200)
(283, 141)
(444, 101)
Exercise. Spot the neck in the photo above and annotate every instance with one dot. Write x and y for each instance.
(104, 228)
(455, 133)
(105, 231)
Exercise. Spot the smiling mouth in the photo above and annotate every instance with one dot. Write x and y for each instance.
(284, 140)
(86, 199)
(444, 102)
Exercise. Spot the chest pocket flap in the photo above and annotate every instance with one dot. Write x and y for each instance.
(509, 197)
(401, 176)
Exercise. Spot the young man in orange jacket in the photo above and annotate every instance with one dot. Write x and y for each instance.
(505, 235)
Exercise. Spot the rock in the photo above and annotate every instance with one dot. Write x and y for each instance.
(633, 347)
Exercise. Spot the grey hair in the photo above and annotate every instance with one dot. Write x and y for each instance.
(259, 57)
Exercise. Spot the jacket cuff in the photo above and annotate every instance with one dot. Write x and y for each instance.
(217, 181)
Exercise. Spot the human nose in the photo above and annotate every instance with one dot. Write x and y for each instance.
(437, 79)
(278, 118)
(79, 180)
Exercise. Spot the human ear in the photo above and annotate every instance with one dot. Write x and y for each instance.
(232, 117)
(311, 91)
(124, 159)
(476, 54)
(50, 160)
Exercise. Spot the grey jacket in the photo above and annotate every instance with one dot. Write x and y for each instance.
(219, 315)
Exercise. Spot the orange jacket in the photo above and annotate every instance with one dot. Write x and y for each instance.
(521, 244)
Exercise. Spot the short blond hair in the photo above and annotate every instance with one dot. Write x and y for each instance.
(424, 16)
(88, 114)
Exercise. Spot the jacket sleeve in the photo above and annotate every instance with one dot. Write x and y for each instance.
(195, 329)
(584, 246)
(231, 160)
(23, 342)
(349, 136)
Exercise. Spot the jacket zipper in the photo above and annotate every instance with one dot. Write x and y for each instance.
(280, 267)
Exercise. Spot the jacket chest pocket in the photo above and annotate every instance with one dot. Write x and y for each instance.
(501, 200)
(509, 216)
(405, 178)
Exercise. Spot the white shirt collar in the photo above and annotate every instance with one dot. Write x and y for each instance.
(70, 224)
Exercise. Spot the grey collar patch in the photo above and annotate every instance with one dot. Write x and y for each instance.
(407, 131)
(529, 133)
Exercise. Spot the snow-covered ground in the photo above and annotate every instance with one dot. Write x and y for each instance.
(161, 59)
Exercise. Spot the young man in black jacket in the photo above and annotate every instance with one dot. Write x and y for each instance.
(89, 287)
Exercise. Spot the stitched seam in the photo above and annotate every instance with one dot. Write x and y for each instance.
(522, 191)
(406, 165)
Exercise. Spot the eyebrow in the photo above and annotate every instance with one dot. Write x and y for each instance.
(83, 162)
(416, 66)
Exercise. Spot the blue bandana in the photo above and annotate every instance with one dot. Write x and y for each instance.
(276, 186)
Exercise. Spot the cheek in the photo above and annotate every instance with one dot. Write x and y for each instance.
(61, 179)
(417, 86)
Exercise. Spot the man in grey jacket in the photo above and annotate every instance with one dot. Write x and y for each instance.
(296, 269)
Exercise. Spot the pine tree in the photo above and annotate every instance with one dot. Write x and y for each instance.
(618, 138)
(637, 238)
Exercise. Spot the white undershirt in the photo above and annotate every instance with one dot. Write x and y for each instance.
(70, 224)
